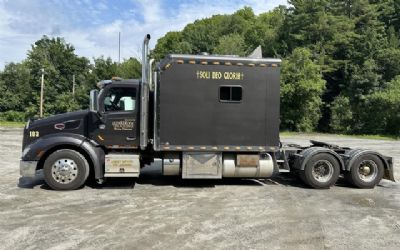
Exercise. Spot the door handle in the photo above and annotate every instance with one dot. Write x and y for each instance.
(130, 138)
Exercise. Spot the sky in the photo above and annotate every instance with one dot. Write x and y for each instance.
(92, 26)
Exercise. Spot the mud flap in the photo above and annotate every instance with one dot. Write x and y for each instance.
(389, 175)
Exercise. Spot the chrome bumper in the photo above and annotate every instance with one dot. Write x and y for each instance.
(27, 168)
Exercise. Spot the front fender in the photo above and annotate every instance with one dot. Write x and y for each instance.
(97, 157)
(39, 148)
(35, 151)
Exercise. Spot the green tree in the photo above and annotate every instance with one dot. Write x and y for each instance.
(265, 31)
(104, 69)
(129, 69)
(341, 60)
(301, 90)
(171, 43)
(381, 110)
(232, 44)
(363, 80)
(203, 34)
(60, 63)
(15, 90)
(342, 115)
(388, 63)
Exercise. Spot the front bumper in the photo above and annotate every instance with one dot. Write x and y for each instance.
(27, 168)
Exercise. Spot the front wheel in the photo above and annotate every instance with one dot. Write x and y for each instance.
(65, 169)
(321, 171)
(366, 172)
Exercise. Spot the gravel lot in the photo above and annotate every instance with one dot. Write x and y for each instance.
(158, 212)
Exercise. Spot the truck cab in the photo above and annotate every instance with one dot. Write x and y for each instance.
(83, 138)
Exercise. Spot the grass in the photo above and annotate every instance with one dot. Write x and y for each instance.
(6, 124)
(371, 137)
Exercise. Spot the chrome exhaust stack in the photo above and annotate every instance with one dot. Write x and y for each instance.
(145, 59)
(144, 101)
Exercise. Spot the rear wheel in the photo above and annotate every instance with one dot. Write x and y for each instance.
(321, 171)
(366, 172)
(65, 169)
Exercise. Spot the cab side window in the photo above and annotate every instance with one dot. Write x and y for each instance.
(120, 99)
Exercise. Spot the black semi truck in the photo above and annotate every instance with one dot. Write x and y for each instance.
(200, 117)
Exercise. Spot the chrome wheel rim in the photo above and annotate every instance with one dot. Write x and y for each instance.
(64, 171)
(322, 171)
(367, 170)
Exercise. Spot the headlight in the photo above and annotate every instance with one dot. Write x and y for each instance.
(27, 124)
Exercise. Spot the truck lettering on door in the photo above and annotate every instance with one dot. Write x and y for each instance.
(127, 124)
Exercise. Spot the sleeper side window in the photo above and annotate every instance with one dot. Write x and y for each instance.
(230, 94)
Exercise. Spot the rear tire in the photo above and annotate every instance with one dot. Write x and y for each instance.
(366, 172)
(65, 169)
(321, 171)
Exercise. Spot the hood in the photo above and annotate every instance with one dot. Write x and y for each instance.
(60, 118)
(72, 122)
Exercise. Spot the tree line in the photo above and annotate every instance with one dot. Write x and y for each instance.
(20, 82)
(341, 68)
(340, 71)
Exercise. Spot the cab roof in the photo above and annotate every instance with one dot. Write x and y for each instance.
(119, 81)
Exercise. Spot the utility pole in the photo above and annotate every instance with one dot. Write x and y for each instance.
(41, 94)
(119, 47)
(73, 85)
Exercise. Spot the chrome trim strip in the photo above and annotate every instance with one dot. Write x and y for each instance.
(218, 148)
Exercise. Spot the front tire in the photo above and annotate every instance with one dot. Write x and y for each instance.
(65, 169)
(321, 171)
(366, 172)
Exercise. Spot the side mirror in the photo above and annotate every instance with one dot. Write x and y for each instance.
(93, 106)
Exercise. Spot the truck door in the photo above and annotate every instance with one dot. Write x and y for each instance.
(119, 114)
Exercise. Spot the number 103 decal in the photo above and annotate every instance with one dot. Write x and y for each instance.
(33, 133)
